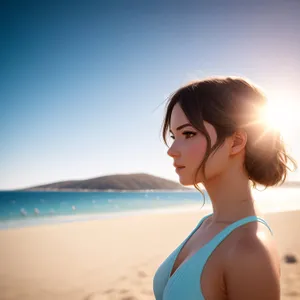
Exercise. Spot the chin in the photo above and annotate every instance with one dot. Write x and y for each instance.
(189, 180)
(186, 181)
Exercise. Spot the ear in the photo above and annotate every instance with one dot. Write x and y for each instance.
(239, 140)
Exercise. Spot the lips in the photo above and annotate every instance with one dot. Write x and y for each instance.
(178, 166)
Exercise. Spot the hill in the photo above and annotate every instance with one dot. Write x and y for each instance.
(112, 182)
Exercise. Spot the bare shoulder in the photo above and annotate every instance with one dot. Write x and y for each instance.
(252, 269)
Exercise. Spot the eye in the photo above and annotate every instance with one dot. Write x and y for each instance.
(189, 134)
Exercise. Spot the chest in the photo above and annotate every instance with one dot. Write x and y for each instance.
(192, 245)
(190, 280)
(211, 279)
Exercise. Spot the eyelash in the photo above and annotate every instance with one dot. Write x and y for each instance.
(185, 133)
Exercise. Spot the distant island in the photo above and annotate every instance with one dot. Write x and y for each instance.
(126, 182)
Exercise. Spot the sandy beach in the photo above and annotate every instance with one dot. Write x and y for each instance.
(113, 258)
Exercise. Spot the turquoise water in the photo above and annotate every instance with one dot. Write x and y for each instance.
(34, 207)
(21, 209)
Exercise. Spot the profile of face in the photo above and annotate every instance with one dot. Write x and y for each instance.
(189, 147)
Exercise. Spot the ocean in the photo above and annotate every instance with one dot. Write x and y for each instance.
(27, 208)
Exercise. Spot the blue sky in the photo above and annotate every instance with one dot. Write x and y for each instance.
(81, 81)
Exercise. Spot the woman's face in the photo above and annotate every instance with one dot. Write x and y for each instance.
(189, 147)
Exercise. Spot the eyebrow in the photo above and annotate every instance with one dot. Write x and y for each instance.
(182, 126)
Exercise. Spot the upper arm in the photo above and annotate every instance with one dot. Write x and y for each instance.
(252, 271)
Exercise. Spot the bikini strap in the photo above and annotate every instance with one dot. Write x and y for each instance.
(226, 231)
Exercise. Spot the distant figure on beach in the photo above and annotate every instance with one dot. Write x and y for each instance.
(220, 139)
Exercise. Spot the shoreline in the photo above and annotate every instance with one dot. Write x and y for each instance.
(267, 201)
(25, 222)
(55, 220)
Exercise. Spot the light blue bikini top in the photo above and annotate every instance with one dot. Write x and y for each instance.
(185, 281)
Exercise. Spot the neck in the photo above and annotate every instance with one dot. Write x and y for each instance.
(231, 196)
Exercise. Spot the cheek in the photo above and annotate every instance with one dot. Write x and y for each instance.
(197, 151)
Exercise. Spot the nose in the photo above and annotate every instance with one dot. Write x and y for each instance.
(173, 152)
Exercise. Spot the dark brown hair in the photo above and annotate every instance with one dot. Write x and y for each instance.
(230, 104)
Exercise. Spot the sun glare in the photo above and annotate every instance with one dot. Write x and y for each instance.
(272, 115)
(279, 116)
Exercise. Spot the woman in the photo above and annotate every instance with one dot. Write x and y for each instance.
(220, 139)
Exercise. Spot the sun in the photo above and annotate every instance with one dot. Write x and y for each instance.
(272, 115)
(280, 116)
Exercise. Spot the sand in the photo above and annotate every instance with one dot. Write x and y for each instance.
(113, 258)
